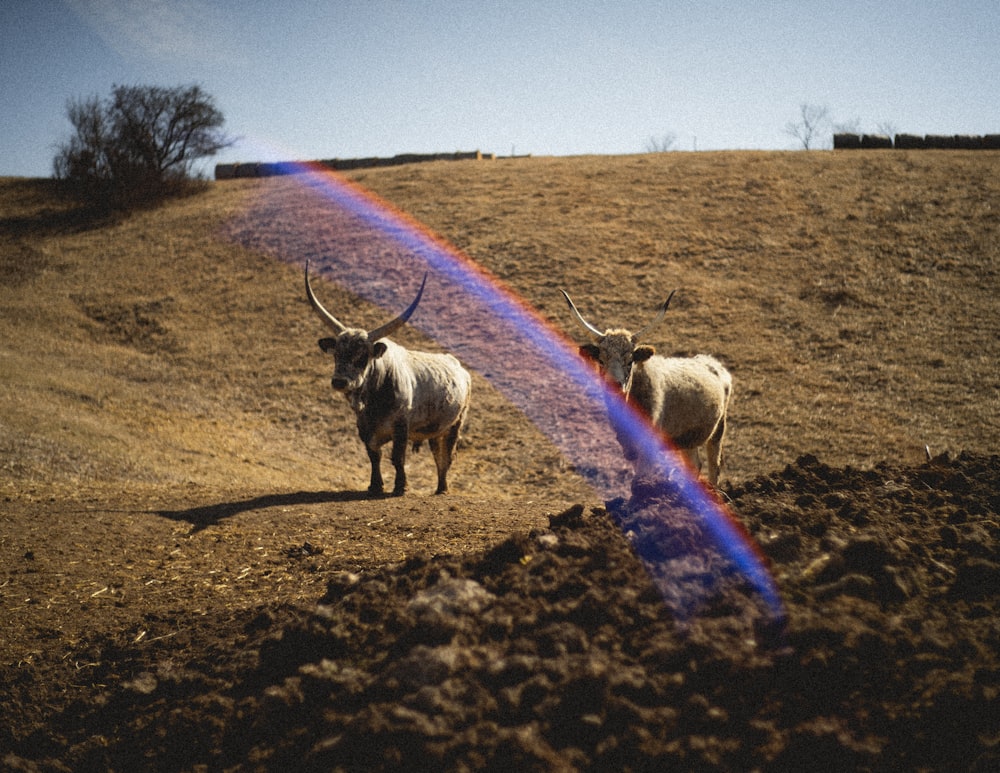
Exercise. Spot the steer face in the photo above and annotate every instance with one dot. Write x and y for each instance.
(616, 350)
(616, 353)
(353, 349)
(352, 352)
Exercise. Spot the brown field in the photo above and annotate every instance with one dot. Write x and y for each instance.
(180, 485)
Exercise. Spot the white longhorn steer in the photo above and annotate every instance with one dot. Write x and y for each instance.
(397, 394)
(685, 398)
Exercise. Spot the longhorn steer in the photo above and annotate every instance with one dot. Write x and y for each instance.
(397, 394)
(686, 398)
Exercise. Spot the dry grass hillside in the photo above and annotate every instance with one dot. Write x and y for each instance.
(171, 454)
(852, 295)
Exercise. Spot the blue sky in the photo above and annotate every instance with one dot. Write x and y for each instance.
(308, 79)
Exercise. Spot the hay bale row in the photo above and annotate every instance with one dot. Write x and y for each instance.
(847, 141)
(258, 169)
(234, 171)
(403, 158)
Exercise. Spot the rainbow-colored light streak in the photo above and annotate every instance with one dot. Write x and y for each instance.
(490, 329)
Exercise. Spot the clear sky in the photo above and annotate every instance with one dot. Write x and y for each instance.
(312, 79)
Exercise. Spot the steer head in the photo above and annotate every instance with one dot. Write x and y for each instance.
(354, 349)
(616, 350)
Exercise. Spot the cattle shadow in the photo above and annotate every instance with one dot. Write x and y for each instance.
(209, 515)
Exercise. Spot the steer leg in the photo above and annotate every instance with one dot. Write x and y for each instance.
(400, 435)
(374, 449)
(713, 450)
(443, 447)
(375, 487)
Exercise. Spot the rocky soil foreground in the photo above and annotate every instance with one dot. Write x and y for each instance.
(559, 649)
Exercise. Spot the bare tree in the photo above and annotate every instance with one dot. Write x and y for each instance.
(850, 126)
(661, 144)
(888, 128)
(140, 144)
(814, 121)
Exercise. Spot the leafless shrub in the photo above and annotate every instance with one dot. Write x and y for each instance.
(661, 144)
(813, 123)
(139, 145)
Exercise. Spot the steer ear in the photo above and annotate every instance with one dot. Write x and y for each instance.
(378, 349)
(327, 344)
(590, 352)
(643, 353)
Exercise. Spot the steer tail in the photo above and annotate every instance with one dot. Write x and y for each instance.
(417, 444)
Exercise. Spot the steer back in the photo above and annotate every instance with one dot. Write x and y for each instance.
(430, 392)
(685, 397)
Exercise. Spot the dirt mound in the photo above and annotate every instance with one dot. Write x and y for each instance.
(559, 649)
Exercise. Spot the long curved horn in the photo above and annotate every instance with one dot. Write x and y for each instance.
(326, 316)
(659, 316)
(398, 322)
(579, 318)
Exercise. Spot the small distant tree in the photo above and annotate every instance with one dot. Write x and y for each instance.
(850, 126)
(140, 144)
(661, 144)
(888, 128)
(813, 123)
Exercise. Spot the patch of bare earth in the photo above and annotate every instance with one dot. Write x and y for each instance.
(192, 578)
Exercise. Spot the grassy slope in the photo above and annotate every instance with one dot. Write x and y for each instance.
(153, 353)
(133, 351)
(853, 296)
